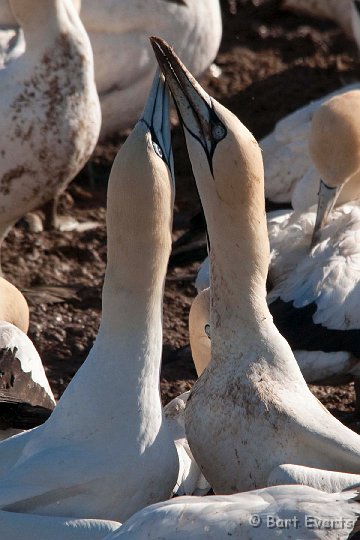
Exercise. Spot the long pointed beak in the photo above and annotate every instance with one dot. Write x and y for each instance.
(193, 103)
(156, 116)
(327, 199)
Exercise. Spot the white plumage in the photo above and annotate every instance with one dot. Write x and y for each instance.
(119, 31)
(286, 156)
(190, 480)
(17, 526)
(106, 451)
(49, 109)
(286, 511)
(315, 260)
(253, 386)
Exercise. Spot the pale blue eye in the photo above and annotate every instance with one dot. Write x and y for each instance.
(218, 132)
(157, 149)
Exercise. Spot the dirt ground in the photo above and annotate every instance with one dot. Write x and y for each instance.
(271, 63)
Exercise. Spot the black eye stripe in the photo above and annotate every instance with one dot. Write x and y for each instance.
(207, 330)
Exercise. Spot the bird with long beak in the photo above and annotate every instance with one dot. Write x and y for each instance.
(106, 451)
(251, 410)
(337, 163)
(314, 269)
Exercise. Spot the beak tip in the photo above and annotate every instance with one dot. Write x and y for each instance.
(157, 44)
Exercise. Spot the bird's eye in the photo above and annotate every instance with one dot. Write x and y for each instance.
(157, 149)
(218, 132)
(207, 330)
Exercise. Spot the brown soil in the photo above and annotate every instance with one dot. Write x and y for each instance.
(272, 62)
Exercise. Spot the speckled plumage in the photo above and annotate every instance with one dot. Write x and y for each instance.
(106, 450)
(49, 109)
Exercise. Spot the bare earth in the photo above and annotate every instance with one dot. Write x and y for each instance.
(272, 62)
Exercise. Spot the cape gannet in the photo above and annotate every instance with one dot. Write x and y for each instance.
(314, 296)
(253, 387)
(106, 450)
(314, 264)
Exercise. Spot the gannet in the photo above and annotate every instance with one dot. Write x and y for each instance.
(314, 265)
(291, 512)
(25, 394)
(200, 343)
(253, 388)
(314, 297)
(124, 63)
(49, 108)
(106, 451)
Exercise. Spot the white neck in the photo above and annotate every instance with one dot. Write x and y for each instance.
(43, 20)
(234, 206)
(120, 378)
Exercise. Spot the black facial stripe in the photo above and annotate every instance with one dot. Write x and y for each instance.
(165, 156)
(207, 330)
(207, 238)
(214, 121)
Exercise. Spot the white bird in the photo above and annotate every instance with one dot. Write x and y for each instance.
(106, 450)
(315, 272)
(124, 63)
(251, 410)
(49, 109)
(314, 300)
(287, 161)
(285, 474)
(25, 395)
(285, 511)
